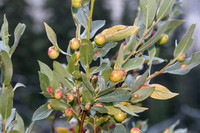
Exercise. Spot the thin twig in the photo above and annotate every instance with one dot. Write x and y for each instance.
(82, 122)
(90, 19)
(53, 121)
(140, 42)
(94, 127)
(162, 70)
(77, 93)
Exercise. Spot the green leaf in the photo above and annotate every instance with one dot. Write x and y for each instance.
(100, 109)
(101, 83)
(181, 131)
(165, 8)
(152, 53)
(4, 32)
(167, 27)
(120, 58)
(6, 67)
(155, 61)
(143, 93)
(10, 119)
(115, 96)
(63, 75)
(130, 44)
(125, 109)
(103, 50)
(102, 120)
(41, 113)
(191, 62)
(81, 16)
(6, 103)
(95, 26)
(44, 82)
(162, 93)
(120, 129)
(136, 109)
(28, 130)
(108, 90)
(47, 95)
(58, 105)
(86, 50)
(87, 83)
(185, 43)
(73, 65)
(106, 74)
(148, 8)
(20, 124)
(55, 82)
(111, 109)
(61, 70)
(104, 63)
(2, 46)
(14, 131)
(19, 31)
(85, 2)
(45, 69)
(173, 126)
(119, 32)
(18, 85)
(51, 36)
(133, 64)
(139, 82)
(140, 23)
(87, 97)
(173, 25)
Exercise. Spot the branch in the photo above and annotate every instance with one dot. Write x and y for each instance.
(82, 122)
(53, 121)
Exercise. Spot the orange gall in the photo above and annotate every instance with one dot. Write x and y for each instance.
(135, 130)
(99, 104)
(121, 116)
(58, 94)
(116, 75)
(181, 57)
(68, 112)
(183, 66)
(70, 97)
(78, 54)
(88, 106)
(100, 39)
(163, 39)
(53, 53)
(143, 86)
(50, 90)
(76, 3)
(136, 95)
(74, 43)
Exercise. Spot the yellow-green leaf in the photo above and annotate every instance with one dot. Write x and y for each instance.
(58, 105)
(4, 32)
(86, 50)
(120, 58)
(6, 67)
(51, 36)
(6, 101)
(19, 31)
(119, 32)
(162, 93)
(111, 109)
(136, 109)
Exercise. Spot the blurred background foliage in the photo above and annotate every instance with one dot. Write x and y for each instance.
(57, 13)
